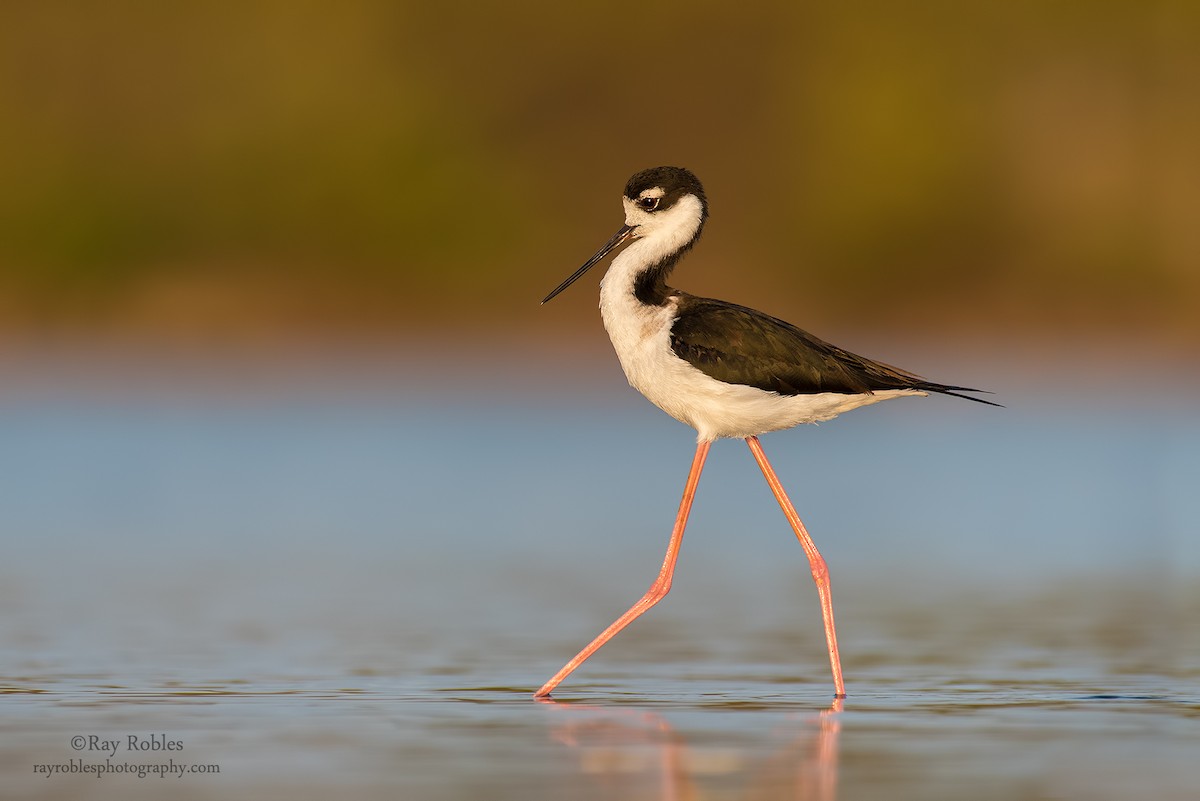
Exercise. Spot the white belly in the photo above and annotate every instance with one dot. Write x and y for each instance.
(641, 336)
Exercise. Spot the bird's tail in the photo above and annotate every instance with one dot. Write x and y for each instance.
(956, 392)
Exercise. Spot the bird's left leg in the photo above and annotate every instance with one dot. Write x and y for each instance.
(820, 572)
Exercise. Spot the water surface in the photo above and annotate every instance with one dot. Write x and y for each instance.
(347, 586)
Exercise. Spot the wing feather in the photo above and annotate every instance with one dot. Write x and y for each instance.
(739, 345)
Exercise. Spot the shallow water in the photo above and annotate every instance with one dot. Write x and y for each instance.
(353, 591)
(733, 730)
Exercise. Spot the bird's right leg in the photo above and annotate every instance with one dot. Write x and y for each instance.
(658, 589)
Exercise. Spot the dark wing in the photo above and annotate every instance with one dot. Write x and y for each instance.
(738, 345)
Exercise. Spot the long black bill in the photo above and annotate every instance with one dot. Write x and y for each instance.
(617, 239)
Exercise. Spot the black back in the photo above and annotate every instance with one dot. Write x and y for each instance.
(738, 345)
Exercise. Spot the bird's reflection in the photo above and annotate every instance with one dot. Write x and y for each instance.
(638, 754)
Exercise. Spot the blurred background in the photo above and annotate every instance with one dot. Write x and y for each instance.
(269, 279)
(216, 172)
(279, 408)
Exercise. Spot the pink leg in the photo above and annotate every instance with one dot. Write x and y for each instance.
(657, 590)
(820, 572)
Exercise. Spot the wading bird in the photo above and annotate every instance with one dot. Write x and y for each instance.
(725, 370)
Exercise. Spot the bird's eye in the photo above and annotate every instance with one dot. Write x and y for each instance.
(648, 203)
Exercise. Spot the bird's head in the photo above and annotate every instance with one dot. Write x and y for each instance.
(665, 206)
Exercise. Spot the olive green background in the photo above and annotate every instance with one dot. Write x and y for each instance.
(230, 170)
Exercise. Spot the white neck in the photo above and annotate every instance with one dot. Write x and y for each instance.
(658, 236)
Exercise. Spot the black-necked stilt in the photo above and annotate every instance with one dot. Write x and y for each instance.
(725, 370)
